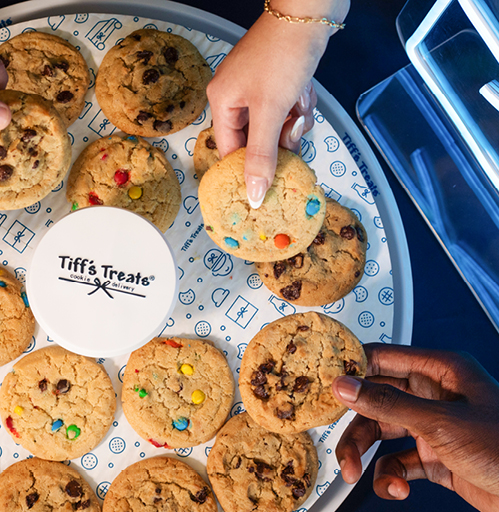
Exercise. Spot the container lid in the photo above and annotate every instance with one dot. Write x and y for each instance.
(455, 49)
(102, 282)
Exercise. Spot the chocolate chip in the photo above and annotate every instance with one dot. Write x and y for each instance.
(64, 97)
(156, 500)
(82, 505)
(301, 384)
(62, 387)
(28, 135)
(182, 104)
(47, 71)
(142, 117)
(360, 234)
(170, 108)
(144, 55)
(162, 126)
(42, 385)
(293, 291)
(3, 152)
(279, 268)
(296, 261)
(62, 65)
(286, 474)
(158, 490)
(267, 367)
(307, 479)
(150, 76)
(6, 172)
(347, 232)
(261, 392)
(264, 472)
(291, 348)
(31, 499)
(298, 490)
(208, 228)
(286, 414)
(136, 37)
(258, 379)
(357, 274)
(238, 463)
(351, 367)
(35, 165)
(200, 496)
(210, 143)
(170, 54)
(319, 239)
(303, 328)
(74, 489)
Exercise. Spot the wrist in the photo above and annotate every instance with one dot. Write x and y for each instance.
(334, 10)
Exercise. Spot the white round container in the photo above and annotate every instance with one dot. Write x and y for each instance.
(102, 282)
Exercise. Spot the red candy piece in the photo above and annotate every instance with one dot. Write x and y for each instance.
(9, 422)
(173, 344)
(281, 241)
(158, 445)
(121, 177)
(94, 199)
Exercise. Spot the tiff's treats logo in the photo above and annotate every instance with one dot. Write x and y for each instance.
(103, 277)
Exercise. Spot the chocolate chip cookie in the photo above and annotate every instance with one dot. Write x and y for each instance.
(17, 323)
(35, 151)
(152, 83)
(56, 404)
(177, 392)
(286, 223)
(205, 152)
(331, 267)
(159, 483)
(37, 484)
(252, 469)
(128, 172)
(289, 366)
(47, 65)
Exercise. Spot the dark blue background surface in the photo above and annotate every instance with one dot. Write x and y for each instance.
(446, 315)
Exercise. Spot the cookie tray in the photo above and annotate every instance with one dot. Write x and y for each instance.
(351, 137)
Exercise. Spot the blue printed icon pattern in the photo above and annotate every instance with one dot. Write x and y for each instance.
(221, 299)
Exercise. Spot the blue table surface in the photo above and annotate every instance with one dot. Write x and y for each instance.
(446, 314)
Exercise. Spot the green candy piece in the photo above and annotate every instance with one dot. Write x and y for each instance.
(72, 432)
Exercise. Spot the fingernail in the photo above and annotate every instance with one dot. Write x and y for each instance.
(297, 130)
(5, 116)
(256, 187)
(348, 388)
(393, 490)
(304, 100)
(342, 464)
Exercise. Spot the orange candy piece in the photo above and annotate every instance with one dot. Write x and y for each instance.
(281, 241)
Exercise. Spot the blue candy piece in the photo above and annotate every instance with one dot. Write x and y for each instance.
(131, 137)
(57, 425)
(180, 423)
(3, 284)
(24, 297)
(313, 207)
(230, 242)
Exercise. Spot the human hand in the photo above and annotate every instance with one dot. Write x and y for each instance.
(261, 95)
(446, 401)
(5, 114)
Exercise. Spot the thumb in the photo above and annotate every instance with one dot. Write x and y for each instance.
(386, 404)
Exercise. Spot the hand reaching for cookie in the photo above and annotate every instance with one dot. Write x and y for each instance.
(261, 95)
(446, 401)
(5, 114)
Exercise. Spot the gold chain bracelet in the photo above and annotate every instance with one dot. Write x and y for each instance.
(295, 19)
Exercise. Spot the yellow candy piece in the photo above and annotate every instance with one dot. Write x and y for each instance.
(18, 410)
(187, 369)
(263, 237)
(135, 192)
(198, 397)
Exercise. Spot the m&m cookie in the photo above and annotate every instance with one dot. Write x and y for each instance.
(128, 172)
(286, 223)
(177, 392)
(56, 404)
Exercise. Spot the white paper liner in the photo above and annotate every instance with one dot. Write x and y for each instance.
(221, 297)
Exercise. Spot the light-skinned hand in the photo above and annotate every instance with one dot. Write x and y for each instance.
(446, 401)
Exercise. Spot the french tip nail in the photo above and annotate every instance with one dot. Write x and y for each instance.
(255, 204)
(297, 130)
